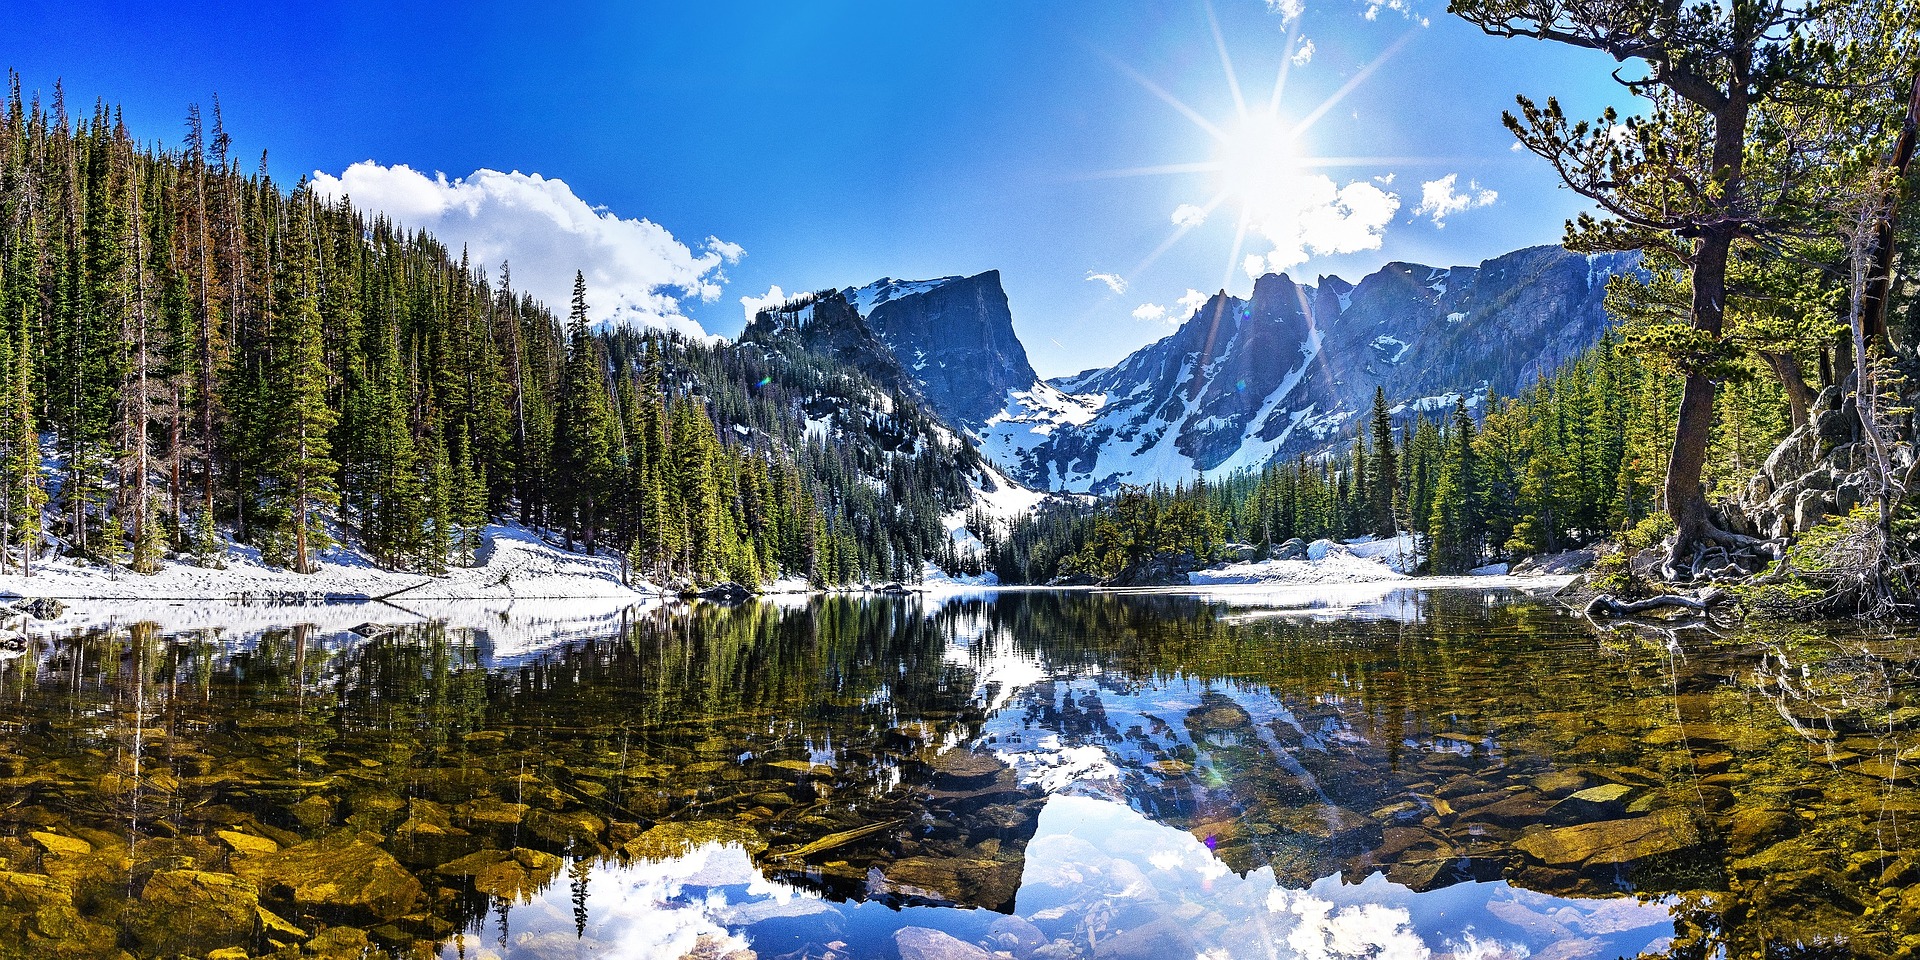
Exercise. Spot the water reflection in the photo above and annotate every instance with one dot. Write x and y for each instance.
(1045, 774)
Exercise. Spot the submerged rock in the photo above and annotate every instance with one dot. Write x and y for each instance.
(350, 875)
(1612, 842)
(920, 943)
(192, 911)
(38, 919)
(514, 875)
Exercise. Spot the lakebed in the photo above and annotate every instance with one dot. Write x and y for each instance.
(1367, 769)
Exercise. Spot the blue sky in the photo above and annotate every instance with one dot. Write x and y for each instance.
(823, 144)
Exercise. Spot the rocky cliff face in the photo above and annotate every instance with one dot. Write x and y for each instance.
(1288, 370)
(955, 338)
(1241, 383)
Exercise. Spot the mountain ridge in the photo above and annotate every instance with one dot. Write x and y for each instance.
(1240, 383)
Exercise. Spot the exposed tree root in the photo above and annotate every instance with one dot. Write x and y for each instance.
(1607, 606)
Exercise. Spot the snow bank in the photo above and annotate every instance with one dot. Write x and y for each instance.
(515, 563)
(1361, 561)
(932, 577)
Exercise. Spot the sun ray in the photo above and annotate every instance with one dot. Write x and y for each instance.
(1239, 238)
(1226, 61)
(1353, 83)
(1161, 170)
(1191, 114)
(1286, 65)
(1377, 161)
(1178, 232)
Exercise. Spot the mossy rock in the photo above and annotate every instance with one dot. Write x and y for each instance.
(670, 840)
(1612, 842)
(38, 920)
(566, 828)
(514, 875)
(193, 911)
(341, 873)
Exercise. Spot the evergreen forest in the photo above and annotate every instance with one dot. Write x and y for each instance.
(194, 352)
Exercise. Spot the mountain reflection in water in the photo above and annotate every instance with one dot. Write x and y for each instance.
(1443, 773)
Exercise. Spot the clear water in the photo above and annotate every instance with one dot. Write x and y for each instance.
(1035, 774)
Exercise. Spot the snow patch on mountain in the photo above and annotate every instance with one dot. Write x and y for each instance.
(865, 299)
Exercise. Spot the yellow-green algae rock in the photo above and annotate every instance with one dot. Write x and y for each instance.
(341, 872)
(515, 874)
(38, 920)
(193, 911)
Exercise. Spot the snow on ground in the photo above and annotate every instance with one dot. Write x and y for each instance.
(1401, 552)
(933, 577)
(1359, 561)
(515, 564)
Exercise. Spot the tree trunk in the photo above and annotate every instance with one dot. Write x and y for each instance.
(1873, 312)
(1800, 395)
(1686, 498)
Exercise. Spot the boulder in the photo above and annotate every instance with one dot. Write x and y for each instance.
(38, 919)
(728, 593)
(1295, 549)
(346, 874)
(1242, 552)
(1811, 507)
(1610, 843)
(192, 911)
(514, 875)
(920, 943)
(41, 608)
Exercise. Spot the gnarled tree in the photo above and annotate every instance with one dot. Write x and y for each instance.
(1677, 179)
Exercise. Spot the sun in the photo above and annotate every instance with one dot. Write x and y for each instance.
(1256, 159)
(1259, 154)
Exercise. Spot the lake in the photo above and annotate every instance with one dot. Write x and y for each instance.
(1407, 773)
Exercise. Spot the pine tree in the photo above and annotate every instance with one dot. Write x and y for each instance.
(299, 472)
(1456, 522)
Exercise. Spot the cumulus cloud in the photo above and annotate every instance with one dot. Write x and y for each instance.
(1310, 215)
(1114, 281)
(1287, 9)
(1303, 54)
(1189, 215)
(1192, 301)
(773, 298)
(1439, 200)
(1150, 312)
(637, 272)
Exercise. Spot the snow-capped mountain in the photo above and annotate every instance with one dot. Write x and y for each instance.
(1240, 383)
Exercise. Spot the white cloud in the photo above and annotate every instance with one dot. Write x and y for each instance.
(730, 252)
(1401, 7)
(1309, 215)
(1439, 200)
(1114, 281)
(773, 298)
(1149, 311)
(1386, 180)
(1303, 55)
(1516, 146)
(1287, 9)
(1192, 301)
(637, 272)
(1189, 215)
